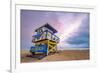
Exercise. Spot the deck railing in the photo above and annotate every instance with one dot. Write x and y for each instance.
(45, 35)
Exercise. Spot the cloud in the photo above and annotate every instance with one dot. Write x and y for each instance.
(76, 34)
(80, 38)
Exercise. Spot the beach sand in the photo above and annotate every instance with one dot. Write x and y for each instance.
(61, 55)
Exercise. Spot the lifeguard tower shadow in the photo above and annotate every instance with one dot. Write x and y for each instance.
(37, 56)
(44, 42)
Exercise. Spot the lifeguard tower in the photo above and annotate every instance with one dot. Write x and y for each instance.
(44, 41)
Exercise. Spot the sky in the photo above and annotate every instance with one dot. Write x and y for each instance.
(72, 27)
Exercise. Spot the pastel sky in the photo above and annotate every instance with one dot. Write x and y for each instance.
(72, 27)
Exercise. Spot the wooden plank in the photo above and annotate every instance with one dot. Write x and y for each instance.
(42, 41)
(52, 42)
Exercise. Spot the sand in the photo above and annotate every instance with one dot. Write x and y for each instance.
(64, 55)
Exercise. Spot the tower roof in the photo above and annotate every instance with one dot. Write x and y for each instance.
(49, 27)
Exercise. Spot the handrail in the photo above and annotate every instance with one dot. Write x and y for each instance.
(52, 37)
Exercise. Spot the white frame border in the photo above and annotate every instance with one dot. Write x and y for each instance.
(16, 67)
